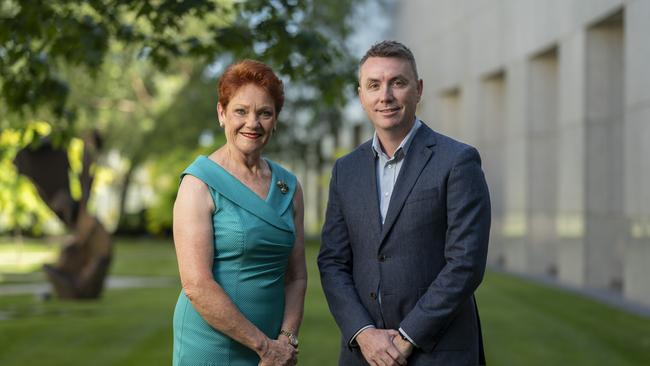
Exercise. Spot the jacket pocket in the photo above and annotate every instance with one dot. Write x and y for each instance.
(421, 195)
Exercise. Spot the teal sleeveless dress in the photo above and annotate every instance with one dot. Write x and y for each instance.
(253, 239)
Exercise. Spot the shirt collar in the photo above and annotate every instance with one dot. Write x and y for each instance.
(403, 146)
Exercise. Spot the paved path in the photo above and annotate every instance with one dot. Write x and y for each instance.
(113, 282)
(608, 297)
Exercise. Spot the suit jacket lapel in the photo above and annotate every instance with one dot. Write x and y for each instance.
(368, 175)
(416, 158)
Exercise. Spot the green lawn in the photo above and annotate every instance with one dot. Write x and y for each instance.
(529, 324)
(24, 256)
(144, 258)
(524, 323)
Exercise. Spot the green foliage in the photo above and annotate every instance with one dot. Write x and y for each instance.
(37, 38)
(165, 173)
(40, 40)
(143, 74)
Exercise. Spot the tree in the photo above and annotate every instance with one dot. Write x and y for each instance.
(47, 47)
(37, 39)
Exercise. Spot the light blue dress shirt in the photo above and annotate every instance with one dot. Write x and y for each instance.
(388, 167)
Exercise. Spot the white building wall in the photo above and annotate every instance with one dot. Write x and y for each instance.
(564, 133)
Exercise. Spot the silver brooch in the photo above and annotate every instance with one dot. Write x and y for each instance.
(284, 188)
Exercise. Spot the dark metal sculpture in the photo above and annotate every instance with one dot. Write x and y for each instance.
(84, 261)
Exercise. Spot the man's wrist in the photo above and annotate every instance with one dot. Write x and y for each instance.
(353, 340)
(406, 337)
(401, 335)
(405, 340)
(403, 345)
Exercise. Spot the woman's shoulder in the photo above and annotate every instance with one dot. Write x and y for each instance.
(281, 172)
(203, 169)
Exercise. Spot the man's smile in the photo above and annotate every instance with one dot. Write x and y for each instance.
(389, 110)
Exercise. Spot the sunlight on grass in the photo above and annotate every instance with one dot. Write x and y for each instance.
(25, 258)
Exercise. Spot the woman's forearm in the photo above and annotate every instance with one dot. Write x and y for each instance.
(294, 304)
(216, 308)
(295, 284)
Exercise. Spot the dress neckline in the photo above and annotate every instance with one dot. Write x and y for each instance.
(240, 183)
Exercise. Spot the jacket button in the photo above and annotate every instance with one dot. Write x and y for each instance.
(381, 257)
(373, 295)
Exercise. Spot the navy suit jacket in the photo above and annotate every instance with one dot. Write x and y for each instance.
(418, 270)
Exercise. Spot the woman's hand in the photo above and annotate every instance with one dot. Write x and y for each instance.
(278, 353)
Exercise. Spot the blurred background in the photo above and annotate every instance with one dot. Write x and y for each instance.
(104, 102)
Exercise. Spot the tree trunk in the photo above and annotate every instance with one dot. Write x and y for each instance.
(124, 190)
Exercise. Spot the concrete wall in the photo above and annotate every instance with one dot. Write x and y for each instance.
(556, 96)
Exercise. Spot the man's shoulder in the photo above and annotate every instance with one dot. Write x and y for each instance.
(450, 145)
(444, 140)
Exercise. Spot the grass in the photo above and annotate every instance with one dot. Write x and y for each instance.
(530, 324)
(144, 257)
(523, 323)
(25, 256)
(127, 327)
(132, 257)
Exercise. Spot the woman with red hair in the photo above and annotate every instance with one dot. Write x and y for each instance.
(238, 233)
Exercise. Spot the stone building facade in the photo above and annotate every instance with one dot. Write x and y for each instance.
(556, 96)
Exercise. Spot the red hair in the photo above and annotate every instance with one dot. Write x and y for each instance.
(250, 72)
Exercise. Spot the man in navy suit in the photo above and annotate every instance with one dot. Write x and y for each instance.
(406, 233)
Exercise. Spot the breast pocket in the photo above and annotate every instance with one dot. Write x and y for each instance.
(430, 194)
(422, 207)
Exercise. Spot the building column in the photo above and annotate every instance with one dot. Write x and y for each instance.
(604, 145)
(636, 265)
(515, 182)
(542, 161)
(570, 225)
(492, 131)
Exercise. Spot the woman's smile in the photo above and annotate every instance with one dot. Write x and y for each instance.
(251, 135)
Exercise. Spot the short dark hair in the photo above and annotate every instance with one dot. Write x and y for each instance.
(250, 72)
(389, 48)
